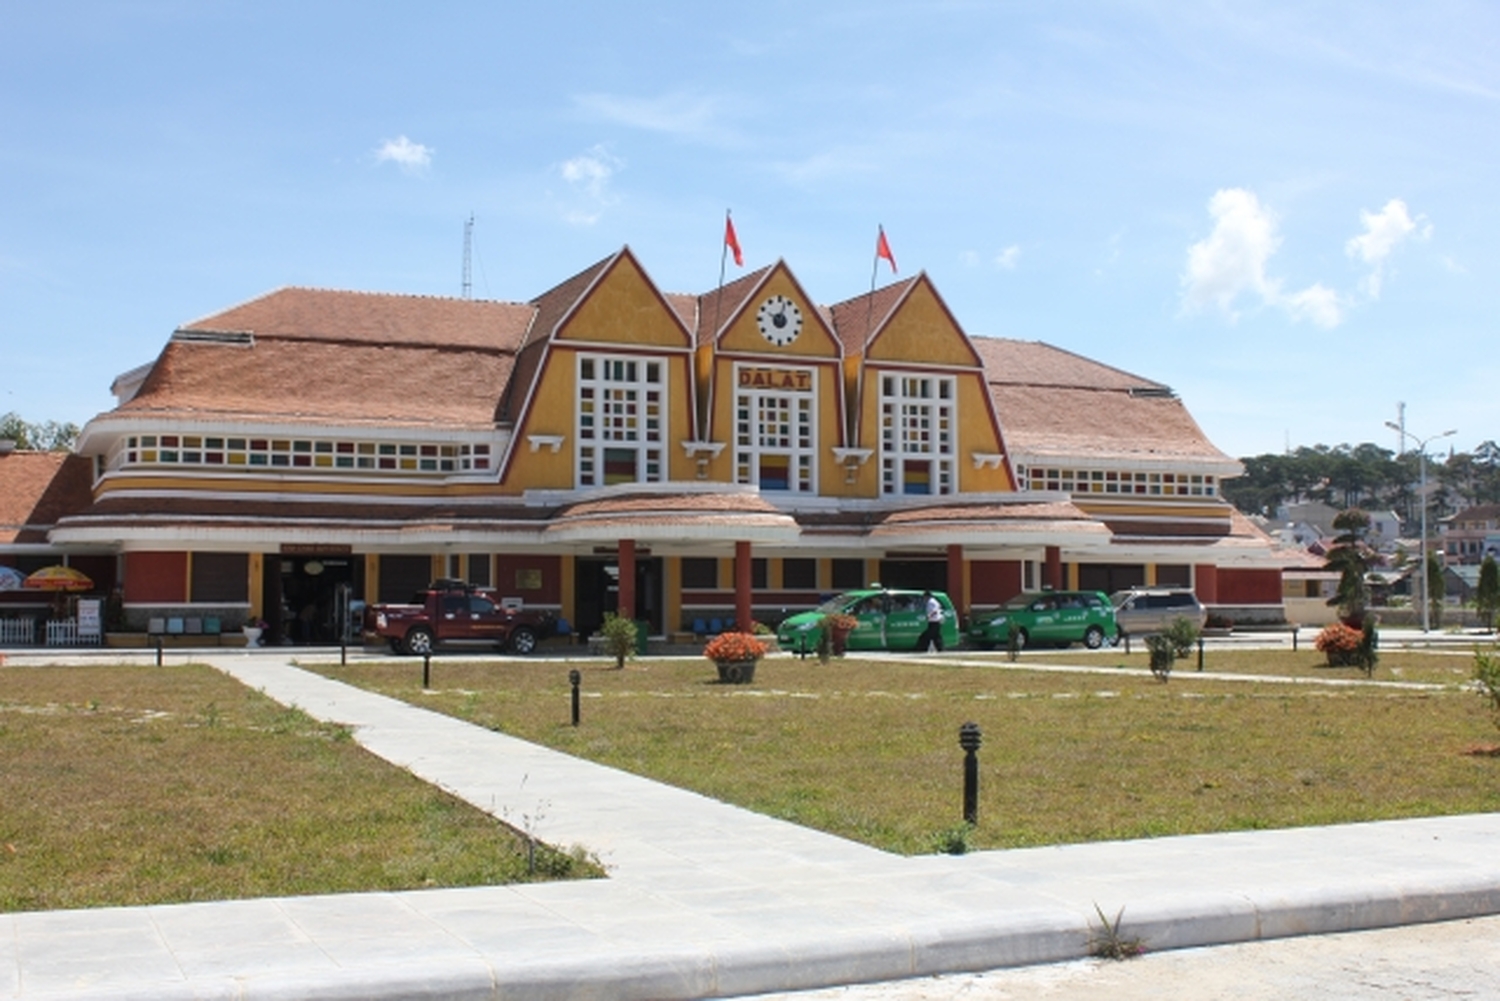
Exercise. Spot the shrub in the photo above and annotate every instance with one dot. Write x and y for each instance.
(733, 647)
(1365, 656)
(1340, 644)
(619, 637)
(1182, 634)
(1487, 678)
(1163, 652)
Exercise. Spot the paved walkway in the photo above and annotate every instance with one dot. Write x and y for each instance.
(706, 899)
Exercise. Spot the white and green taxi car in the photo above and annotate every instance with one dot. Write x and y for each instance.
(886, 619)
(1047, 618)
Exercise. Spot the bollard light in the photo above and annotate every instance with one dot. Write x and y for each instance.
(426, 671)
(158, 651)
(969, 738)
(574, 678)
(1200, 653)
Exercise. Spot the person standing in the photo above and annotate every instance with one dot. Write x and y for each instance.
(932, 636)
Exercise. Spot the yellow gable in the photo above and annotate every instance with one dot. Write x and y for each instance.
(625, 308)
(779, 320)
(922, 331)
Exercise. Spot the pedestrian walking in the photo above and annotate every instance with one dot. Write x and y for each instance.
(932, 636)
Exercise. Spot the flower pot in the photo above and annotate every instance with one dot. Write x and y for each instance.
(252, 635)
(736, 672)
(838, 637)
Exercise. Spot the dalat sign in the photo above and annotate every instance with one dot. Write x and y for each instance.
(796, 379)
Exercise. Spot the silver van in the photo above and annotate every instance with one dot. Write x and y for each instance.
(1141, 611)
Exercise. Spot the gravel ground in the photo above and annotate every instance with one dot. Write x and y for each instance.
(1456, 959)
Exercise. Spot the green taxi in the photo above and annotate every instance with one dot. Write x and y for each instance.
(1048, 617)
(886, 619)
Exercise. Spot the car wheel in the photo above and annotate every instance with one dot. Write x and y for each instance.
(395, 645)
(522, 641)
(419, 641)
(1093, 637)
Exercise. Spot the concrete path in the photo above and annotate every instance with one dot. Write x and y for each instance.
(707, 900)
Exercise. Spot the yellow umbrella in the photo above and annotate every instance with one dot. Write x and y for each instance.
(58, 578)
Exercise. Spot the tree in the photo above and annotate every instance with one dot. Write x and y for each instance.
(1351, 557)
(48, 436)
(1437, 588)
(1487, 596)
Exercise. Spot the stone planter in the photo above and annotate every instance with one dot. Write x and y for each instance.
(252, 635)
(736, 672)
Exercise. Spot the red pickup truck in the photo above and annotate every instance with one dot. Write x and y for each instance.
(454, 612)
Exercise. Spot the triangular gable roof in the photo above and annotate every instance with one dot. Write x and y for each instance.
(725, 303)
(752, 285)
(857, 320)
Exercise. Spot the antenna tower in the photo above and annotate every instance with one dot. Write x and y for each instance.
(468, 287)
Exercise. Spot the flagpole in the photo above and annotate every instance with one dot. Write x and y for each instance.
(708, 411)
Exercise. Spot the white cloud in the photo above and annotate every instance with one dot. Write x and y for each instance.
(412, 158)
(589, 174)
(1231, 263)
(1009, 258)
(1384, 232)
(679, 114)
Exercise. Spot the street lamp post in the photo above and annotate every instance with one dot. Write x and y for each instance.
(1422, 500)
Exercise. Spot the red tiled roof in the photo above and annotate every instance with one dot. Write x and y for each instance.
(339, 382)
(1051, 401)
(38, 488)
(375, 318)
(856, 320)
(720, 304)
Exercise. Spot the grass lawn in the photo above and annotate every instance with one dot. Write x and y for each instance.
(1441, 668)
(869, 749)
(138, 785)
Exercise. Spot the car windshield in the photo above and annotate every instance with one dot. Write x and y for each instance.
(835, 604)
(1021, 600)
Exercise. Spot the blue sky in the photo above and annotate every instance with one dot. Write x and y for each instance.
(1287, 212)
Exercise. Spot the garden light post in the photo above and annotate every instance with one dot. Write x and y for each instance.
(574, 677)
(1421, 499)
(969, 738)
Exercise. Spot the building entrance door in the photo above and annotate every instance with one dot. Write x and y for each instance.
(597, 590)
(307, 599)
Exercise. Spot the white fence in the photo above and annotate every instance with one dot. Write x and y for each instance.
(17, 632)
(59, 632)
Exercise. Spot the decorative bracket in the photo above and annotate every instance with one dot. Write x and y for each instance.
(551, 441)
(988, 460)
(704, 452)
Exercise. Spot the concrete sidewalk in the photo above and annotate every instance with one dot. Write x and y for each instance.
(706, 899)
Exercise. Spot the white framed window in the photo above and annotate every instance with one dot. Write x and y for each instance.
(918, 434)
(622, 412)
(776, 428)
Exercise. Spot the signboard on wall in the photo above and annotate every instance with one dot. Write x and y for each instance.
(89, 623)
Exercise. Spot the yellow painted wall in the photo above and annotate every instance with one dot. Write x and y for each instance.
(622, 312)
(923, 331)
(830, 479)
(255, 582)
(372, 579)
(624, 308)
(815, 341)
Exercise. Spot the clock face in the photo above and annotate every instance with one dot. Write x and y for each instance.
(780, 320)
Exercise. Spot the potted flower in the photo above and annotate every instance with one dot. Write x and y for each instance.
(735, 655)
(253, 628)
(838, 626)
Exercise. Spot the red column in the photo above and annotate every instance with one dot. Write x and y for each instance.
(1206, 578)
(742, 617)
(627, 579)
(1052, 573)
(956, 578)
